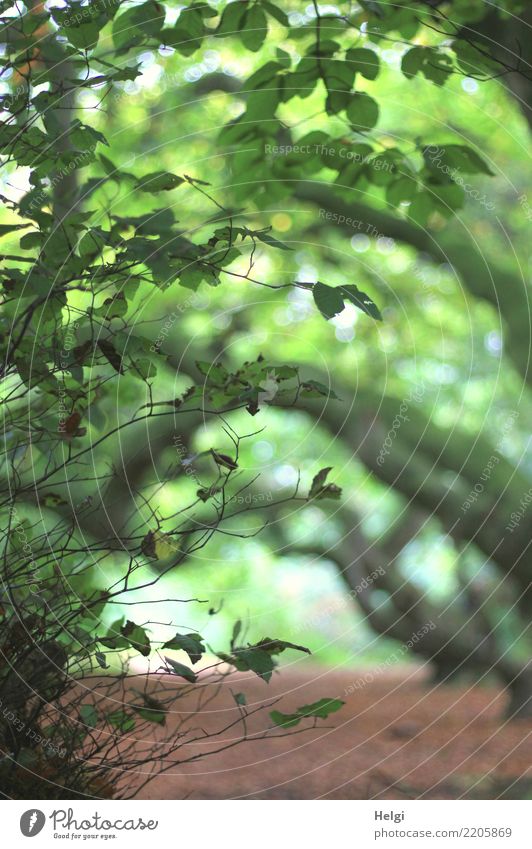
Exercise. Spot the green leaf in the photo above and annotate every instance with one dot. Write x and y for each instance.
(364, 62)
(473, 59)
(320, 710)
(437, 66)
(113, 307)
(32, 240)
(285, 720)
(110, 169)
(111, 354)
(91, 244)
(421, 208)
(302, 81)
(251, 660)
(181, 670)
(276, 12)
(121, 720)
(187, 34)
(85, 36)
(158, 545)
(81, 27)
(258, 658)
(328, 300)
(215, 373)
(432, 63)
(262, 77)
(10, 228)
(137, 637)
(362, 111)
(192, 644)
(100, 657)
(412, 62)
(448, 197)
(401, 190)
(237, 627)
(330, 491)
(319, 489)
(278, 646)
(138, 24)
(255, 660)
(318, 481)
(445, 157)
(268, 239)
(130, 72)
(89, 715)
(254, 28)
(159, 181)
(359, 299)
(224, 460)
(231, 20)
(34, 372)
(152, 710)
(315, 389)
(114, 639)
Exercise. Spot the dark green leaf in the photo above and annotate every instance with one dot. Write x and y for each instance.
(278, 646)
(237, 627)
(362, 111)
(137, 637)
(114, 638)
(159, 181)
(276, 12)
(259, 662)
(455, 156)
(224, 460)
(352, 294)
(254, 28)
(100, 657)
(412, 62)
(10, 228)
(433, 64)
(192, 644)
(138, 24)
(318, 481)
(364, 62)
(181, 670)
(231, 20)
(88, 715)
(315, 389)
(151, 710)
(320, 709)
(285, 720)
(110, 353)
(121, 720)
(328, 300)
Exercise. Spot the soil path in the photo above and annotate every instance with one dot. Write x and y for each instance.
(397, 737)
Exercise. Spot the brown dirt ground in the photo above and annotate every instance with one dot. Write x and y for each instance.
(397, 737)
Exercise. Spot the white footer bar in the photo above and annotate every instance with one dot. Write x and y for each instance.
(269, 824)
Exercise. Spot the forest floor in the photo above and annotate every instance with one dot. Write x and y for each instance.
(398, 736)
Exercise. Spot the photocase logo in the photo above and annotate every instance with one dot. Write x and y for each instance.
(32, 822)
